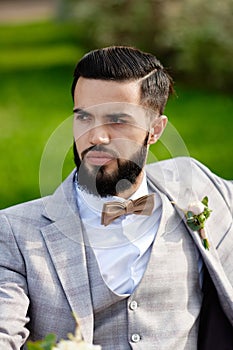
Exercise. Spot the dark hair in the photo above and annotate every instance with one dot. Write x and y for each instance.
(121, 63)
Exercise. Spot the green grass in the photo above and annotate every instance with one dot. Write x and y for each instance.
(38, 45)
(204, 122)
(36, 67)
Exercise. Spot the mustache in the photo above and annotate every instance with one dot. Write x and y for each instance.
(99, 148)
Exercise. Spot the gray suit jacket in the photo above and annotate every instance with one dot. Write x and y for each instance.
(43, 276)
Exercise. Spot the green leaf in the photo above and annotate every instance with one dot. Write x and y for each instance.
(190, 220)
(189, 214)
(202, 218)
(193, 225)
(33, 346)
(205, 201)
(46, 344)
(206, 244)
(207, 212)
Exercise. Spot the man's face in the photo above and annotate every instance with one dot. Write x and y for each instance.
(112, 135)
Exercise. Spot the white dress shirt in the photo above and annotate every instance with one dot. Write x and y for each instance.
(122, 248)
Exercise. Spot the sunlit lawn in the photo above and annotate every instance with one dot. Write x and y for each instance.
(36, 67)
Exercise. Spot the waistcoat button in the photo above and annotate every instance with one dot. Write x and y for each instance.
(135, 338)
(133, 305)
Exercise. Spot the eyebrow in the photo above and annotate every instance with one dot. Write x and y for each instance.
(118, 114)
(109, 115)
(81, 111)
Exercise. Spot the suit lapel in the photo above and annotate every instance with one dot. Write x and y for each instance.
(216, 271)
(64, 240)
(210, 257)
(181, 183)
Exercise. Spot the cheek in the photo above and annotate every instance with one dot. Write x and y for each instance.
(126, 148)
(136, 140)
(81, 145)
(80, 131)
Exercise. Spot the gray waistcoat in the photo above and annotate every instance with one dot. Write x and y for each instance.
(163, 311)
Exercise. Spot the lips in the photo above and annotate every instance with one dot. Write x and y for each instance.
(98, 158)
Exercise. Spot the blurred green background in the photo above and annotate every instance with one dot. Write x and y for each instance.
(38, 53)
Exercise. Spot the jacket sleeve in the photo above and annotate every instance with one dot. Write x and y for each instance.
(14, 301)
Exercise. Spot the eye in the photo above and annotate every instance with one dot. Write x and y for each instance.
(117, 119)
(82, 117)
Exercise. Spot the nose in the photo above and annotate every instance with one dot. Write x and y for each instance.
(99, 135)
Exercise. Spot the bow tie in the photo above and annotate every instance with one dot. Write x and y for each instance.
(113, 210)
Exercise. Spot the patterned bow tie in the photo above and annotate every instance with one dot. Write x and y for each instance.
(113, 210)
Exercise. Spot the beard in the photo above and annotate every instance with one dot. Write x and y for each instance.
(100, 183)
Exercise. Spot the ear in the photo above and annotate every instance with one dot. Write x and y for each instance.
(156, 130)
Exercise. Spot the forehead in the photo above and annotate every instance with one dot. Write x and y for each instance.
(93, 92)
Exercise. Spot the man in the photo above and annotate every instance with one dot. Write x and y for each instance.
(112, 245)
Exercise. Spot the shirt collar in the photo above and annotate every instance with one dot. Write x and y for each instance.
(96, 203)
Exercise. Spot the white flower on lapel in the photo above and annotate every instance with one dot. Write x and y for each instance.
(196, 216)
(196, 208)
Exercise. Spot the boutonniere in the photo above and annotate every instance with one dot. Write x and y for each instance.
(196, 216)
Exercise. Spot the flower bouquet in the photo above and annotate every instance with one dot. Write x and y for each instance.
(74, 342)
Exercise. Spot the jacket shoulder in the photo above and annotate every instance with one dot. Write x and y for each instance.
(30, 210)
(189, 173)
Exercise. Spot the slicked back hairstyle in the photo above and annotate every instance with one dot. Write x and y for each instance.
(122, 64)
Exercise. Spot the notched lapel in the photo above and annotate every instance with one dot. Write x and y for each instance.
(216, 228)
(67, 251)
(64, 240)
(217, 273)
